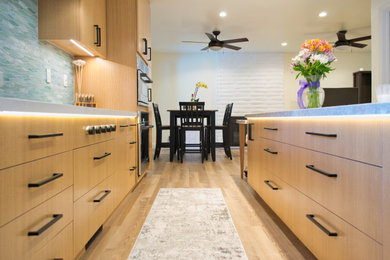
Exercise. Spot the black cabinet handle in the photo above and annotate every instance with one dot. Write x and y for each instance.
(56, 217)
(150, 54)
(330, 175)
(99, 37)
(271, 129)
(311, 218)
(106, 192)
(44, 136)
(149, 95)
(58, 258)
(124, 126)
(269, 185)
(133, 125)
(250, 132)
(133, 168)
(101, 157)
(52, 178)
(269, 151)
(97, 34)
(133, 142)
(320, 134)
(145, 52)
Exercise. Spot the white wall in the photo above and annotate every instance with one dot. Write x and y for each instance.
(346, 64)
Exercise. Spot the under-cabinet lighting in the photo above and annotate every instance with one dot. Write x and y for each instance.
(81, 47)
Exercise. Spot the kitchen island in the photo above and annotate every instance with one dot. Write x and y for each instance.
(325, 173)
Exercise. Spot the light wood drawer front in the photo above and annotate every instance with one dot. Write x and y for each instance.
(60, 247)
(359, 139)
(83, 138)
(92, 164)
(269, 128)
(26, 138)
(350, 189)
(124, 183)
(28, 185)
(127, 126)
(14, 240)
(91, 210)
(349, 243)
(254, 164)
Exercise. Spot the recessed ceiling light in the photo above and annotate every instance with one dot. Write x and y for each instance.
(284, 43)
(323, 14)
(361, 69)
(222, 14)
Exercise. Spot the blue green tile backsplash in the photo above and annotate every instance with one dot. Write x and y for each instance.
(24, 59)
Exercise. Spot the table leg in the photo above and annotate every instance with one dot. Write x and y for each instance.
(242, 148)
(212, 135)
(172, 138)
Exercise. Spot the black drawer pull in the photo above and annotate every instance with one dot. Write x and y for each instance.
(52, 178)
(133, 125)
(271, 129)
(324, 135)
(150, 53)
(44, 136)
(58, 258)
(132, 142)
(56, 217)
(330, 175)
(250, 132)
(124, 126)
(101, 157)
(311, 218)
(145, 52)
(106, 192)
(133, 169)
(269, 151)
(269, 185)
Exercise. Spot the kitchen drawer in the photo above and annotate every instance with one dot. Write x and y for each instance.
(254, 164)
(92, 164)
(349, 243)
(268, 128)
(27, 185)
(60, 247)
(83, 137)
(350, 189)
(26, 138)
(127, 126)
(124, 183)
(54, 214)
(91, 211)
(357, 138)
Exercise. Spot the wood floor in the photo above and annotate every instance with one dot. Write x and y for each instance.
(263, 235)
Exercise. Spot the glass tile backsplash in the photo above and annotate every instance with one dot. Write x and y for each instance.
(24, 59)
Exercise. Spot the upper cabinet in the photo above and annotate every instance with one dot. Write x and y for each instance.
(144, 42)
(77, 26)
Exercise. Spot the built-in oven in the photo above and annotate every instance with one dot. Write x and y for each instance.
(143, 141)
(144, 90)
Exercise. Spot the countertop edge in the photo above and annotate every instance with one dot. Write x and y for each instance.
(349, 110)
(21, 105)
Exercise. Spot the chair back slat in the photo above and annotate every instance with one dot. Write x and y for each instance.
(228, 114)
(157, 115)
(192, 114)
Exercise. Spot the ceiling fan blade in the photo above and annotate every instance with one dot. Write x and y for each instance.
(341, 35)
(358, 45)
(193, 42)
(231, 47)
(205, 48)
(360, 39)
(211, 37)
(236, 40)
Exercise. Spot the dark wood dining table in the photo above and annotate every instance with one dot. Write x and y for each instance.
(175, 114)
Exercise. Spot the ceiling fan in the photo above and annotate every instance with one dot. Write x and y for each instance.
(342, 41)
(216, 45)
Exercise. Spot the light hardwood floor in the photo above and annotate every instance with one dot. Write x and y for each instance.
(263, 235)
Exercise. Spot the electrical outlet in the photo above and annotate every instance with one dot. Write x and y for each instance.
(48, 76)
(65, 80)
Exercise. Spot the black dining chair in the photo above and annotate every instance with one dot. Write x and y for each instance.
(191, 119)
(225, 133)
(159, 129)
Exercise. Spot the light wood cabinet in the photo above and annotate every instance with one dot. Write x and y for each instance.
(26, 186)
(83, 21)
(144, 42)
(337, 179)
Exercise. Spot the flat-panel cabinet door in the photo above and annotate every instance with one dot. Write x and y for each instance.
(143, 29)
(93, 24)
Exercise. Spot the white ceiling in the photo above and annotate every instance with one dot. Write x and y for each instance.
(266, 23)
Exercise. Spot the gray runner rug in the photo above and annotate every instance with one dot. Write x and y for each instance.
(188, 224)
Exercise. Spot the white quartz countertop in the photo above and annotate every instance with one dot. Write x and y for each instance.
(19, 105)
(359, 109)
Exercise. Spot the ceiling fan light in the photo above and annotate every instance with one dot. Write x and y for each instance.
(215, 48)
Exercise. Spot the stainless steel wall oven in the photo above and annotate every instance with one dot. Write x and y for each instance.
(143, 141)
